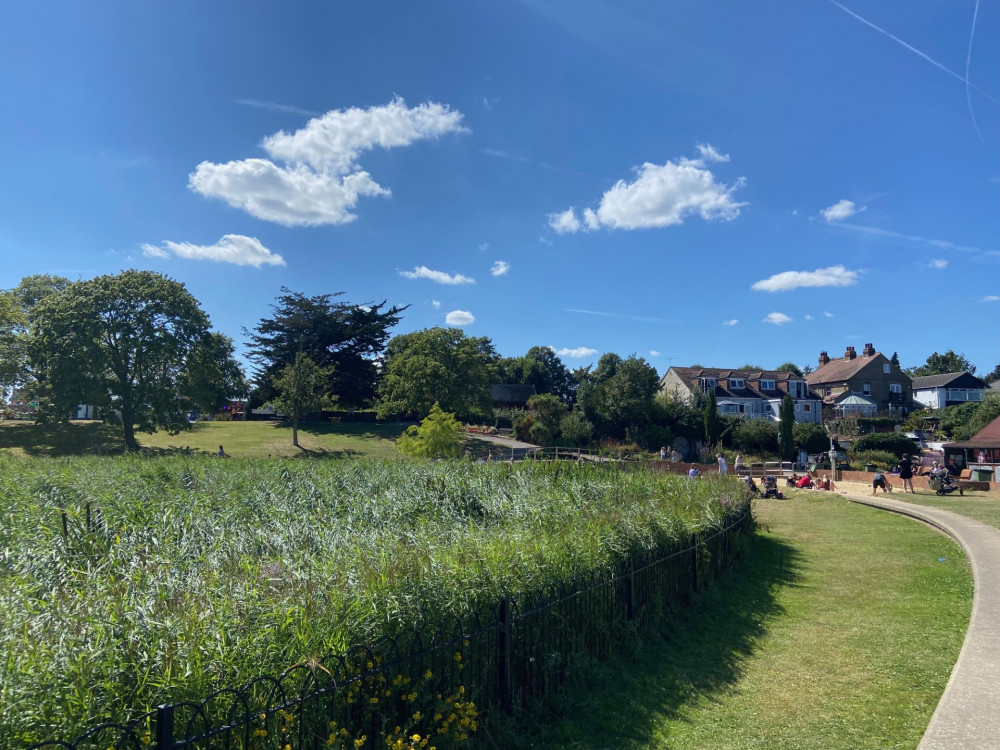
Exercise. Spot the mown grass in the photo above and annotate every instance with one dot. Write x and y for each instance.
(265, 439)
(841, 633)
(982, 506)
(130, 581)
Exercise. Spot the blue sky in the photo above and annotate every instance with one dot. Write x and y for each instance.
(690, 182)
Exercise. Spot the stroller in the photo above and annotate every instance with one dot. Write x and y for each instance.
(770, 485)
(942, 483)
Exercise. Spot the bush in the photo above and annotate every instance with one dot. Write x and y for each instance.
(576, 429)
(893, 442)
(811, 437)
(884, 460)
(439, 435)
(756, 436)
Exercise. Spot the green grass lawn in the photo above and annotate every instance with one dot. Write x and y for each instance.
(982, 506)
(241, 439)
(841, 633)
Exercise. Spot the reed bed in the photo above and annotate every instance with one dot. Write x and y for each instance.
(132, 581)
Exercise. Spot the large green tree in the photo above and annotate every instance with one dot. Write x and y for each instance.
(120, 342)
(300, 388)
(542, 368)
(16, 316)
(343, 338)
(213, 376)
(942, 364)
(618, 396)
(713, 425)
(437, 365)
(786, 428)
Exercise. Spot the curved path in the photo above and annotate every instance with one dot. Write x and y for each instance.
(968, 714)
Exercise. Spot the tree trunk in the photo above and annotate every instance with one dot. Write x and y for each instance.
(295, 433)
(127, 423)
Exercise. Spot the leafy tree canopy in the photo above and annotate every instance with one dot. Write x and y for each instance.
(120, 342)
(786, 428)
(437, 365)
(213, 376)
(300, 388)
(343, 338)
(16, 315)
(619, 394)
(993, 376)
(543, 419)
(942, 364)
(790, 367)
(542, 368)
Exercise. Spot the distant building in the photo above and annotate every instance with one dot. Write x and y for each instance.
(862, 385)
(939, 391)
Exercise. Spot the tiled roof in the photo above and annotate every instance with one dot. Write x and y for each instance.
(948, 378)
(754, 391)
(839, 370)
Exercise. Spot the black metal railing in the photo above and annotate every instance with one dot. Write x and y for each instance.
(439, 680)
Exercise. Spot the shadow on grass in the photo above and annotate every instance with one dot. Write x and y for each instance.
(697, 654)
(360, 430)
(323, 453)
(75, 438)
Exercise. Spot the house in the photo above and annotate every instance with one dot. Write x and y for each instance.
(939, 391)
(754, 394)
(511, 396)
(981, 453)
(862, 385)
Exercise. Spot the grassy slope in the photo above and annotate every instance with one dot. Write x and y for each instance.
(241, 439)
(840, 634)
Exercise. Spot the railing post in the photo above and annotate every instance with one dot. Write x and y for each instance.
(694, 562)
(503, 657)
(164, 728)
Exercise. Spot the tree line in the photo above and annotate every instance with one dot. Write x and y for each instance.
(139, 346)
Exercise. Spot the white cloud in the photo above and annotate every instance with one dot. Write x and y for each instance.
(777, 318)
(660, 196)
(232, 248)
(842, 209)
(938, 263)
(653, 353)
(730, 322)
(708, 153)
(321, 182)
(577, 353)
(499, 268)
(436, 304)
(991, 298)
(789, 280)
(439, 277)
(828, 314)
(808, 316)
(564, 223)
(459, 318)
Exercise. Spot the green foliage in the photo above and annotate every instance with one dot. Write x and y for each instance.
(810, 437)
(619, 394)
(683, 419)
(542, 368)
(191, 574)
(786, 428)
(790, 367)
(884, 460)
(895, 443)
(439, 435)
(343, 338)
(213, 376)
(994, 375)
(119, 342)
(984, 413)
(546, 412)
(16, 318)
(711, 418)
(300, 388)
(575, 429)
(942, 364)
(437, 365)
(757, 436)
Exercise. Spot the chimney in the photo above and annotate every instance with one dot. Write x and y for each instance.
(868, 351)
(850, 353)
(823, 358)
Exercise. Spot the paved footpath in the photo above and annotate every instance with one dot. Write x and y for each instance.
(968, 715)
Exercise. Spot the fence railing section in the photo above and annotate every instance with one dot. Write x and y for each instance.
(441, 681)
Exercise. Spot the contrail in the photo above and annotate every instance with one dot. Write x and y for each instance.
(914, 50)
(968, 63)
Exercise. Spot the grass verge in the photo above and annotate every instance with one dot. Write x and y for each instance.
(841, 633)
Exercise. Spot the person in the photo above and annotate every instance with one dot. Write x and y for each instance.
(878, 480)
(722, 463)
(221, 453)
(738, 463)
(824, 482)
(663, 453)
(805, 483)
(906, 472)
(674, 456)
(693, 471)
(751, 485)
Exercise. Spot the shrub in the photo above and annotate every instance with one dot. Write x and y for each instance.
(811, 437)
(884, 460)
(439, 435)
(576, 429)
(893, 442)
(756, 436)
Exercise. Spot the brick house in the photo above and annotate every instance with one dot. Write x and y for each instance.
(864, 384)
(754, 394)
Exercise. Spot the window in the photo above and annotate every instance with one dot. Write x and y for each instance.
(886, 369)
(736, 383)
(895, 388)
(806, 407)
(827, 391)
(767, 385)
(867, 388)
(707, 383)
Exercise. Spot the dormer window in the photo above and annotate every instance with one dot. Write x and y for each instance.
(767, 385)
(737, 384)
(707, 383)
